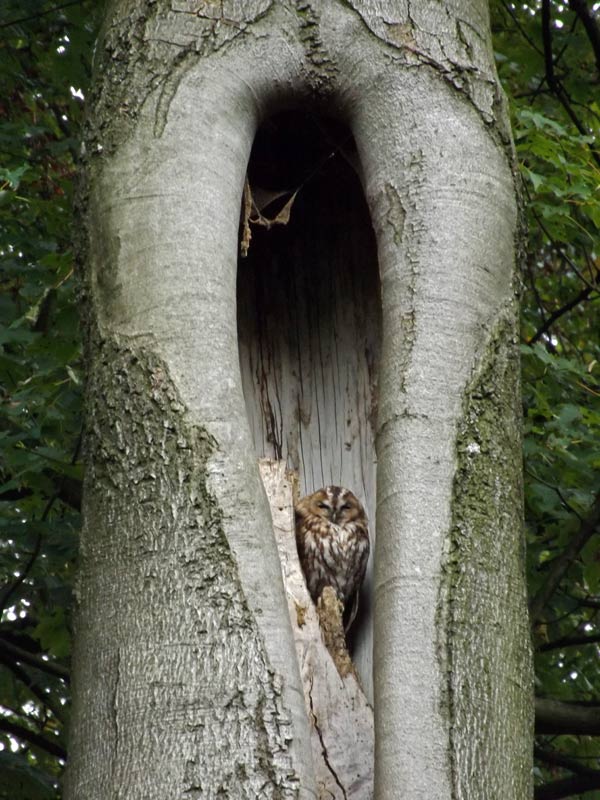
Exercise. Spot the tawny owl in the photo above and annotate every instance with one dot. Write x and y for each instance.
(332, 538)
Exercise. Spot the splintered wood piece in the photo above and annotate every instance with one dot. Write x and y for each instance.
(330, 611)
(341, 720)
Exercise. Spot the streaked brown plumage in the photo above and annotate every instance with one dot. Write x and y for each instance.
(332, 538)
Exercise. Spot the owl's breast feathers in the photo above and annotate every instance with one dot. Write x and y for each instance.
(332, 555)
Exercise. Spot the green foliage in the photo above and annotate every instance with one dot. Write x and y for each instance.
(43, 53)
(19, 779)
(555, 123)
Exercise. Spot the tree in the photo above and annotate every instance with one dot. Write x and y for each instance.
(43, 50)
(555, 114)
(179, 647)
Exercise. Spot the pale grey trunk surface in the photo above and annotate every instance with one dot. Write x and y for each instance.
(186, 681)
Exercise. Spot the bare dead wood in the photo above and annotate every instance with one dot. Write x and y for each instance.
(330, 612)
(340, 717)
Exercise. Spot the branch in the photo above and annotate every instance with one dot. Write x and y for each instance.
(28, 681)
(568, 787)
(559, 717)
(68, 491)
(551, 78)
(590, 23)
(583, 295)
(547, 42)
(18, 654)
(569, 641)
(40, 14)
(561, 564)
(559, 760)
(36, 739)
(588, 602)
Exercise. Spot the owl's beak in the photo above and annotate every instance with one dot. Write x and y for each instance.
(333, 516)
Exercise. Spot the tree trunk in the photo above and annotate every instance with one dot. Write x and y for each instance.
(398, 339)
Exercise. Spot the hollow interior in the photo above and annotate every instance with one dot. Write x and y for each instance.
(309, 317)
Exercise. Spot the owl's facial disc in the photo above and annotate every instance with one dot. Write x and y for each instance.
(327, 509)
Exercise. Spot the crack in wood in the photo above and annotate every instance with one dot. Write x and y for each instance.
(315, 723)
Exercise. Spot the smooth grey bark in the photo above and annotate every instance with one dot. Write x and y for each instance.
(185, 676)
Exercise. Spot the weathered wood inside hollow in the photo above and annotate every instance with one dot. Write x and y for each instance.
(309, 330)
(340, 718)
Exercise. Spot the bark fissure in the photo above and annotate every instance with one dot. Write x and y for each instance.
(322, 69)
(315, 723)
(396, 213)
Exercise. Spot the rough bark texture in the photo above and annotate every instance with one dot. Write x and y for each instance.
(184, 643)
(171, 642)
(486, 623)
(341, 721)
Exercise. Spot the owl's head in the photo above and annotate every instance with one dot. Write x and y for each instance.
(334, 503)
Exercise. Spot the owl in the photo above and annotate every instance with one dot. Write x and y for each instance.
(332, 538)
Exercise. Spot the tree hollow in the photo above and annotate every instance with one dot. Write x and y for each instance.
(309, 318)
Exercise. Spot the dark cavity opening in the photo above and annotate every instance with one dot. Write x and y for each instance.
(309, 316)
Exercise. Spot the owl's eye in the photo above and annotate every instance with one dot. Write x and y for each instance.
(345, 506)
(324, 505)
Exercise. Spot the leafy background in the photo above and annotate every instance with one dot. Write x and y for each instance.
(548, 56)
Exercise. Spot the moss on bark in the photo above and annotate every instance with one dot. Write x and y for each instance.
(489, 669)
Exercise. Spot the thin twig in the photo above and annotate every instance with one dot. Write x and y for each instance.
(583, 295)
(520, 28)
(560, 760)
(561, 497)
(569, 641)
(556, 246)
(553, 81)
(8, 590)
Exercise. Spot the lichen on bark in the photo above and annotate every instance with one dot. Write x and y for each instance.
(485, 582)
